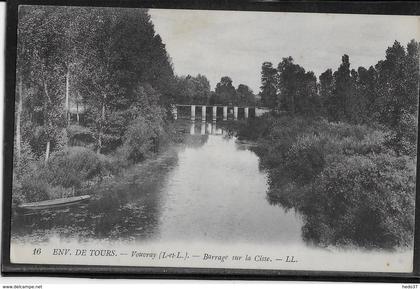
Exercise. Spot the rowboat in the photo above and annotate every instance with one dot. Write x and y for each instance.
(55, 203)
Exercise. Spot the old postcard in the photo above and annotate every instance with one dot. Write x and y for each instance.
(215, 139)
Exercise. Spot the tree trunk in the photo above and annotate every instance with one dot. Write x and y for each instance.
(77, 113)
(102, 122)
(47, 120)
(18, 118)
(77, 108)
(67, 112)
(293, 104)
(47, 151)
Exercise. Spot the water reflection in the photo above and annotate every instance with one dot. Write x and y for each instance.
(205, 128)
(217, 193)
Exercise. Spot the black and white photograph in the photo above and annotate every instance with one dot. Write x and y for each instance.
(188, 138)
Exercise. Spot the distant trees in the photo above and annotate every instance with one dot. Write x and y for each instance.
(386, 93)
(192, 89)
(245, 95)
(225, 93)
(297, 88)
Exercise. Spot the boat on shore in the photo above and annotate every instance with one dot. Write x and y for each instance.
(53, 204)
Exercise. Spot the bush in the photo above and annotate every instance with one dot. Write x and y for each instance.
(143, 138)
(79, 135)
(351, 187)
(365, 201)
(254, 128)
(33, 189)
(74, 165)
(403, 139)
(305, 159)
(25, 165)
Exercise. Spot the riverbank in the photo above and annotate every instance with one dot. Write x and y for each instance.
(76, 170)
(349, 183)
(122, 207)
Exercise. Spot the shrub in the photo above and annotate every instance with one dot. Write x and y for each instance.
(79, 135)
(138, 140)
(363, 200)
(403, 138)
(143, 138)
(25, 165)
(305, 159)
(33, 189)
(74, 165)
(350, 185)
(254, 128)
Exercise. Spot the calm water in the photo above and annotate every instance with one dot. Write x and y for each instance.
(208, 189)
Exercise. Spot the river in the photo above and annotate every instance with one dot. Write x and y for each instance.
(208, 188)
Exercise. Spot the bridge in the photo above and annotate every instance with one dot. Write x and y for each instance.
(226, 111)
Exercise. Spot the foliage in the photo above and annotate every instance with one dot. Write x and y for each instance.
(305, 158)
(139, 140)
(193, 90)
(386, 93)
(99, 66)
(33, 189)
(79, 135)
(144, 137)
(73, 166)
(25, 164)
(350, 185)
(245, 96)
(363, 200)
(225, 92)
(297, 89)
(268, 85)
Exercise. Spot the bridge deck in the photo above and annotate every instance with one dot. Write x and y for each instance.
(216, 105)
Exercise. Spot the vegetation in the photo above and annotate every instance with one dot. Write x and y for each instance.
(196, 90)
(343, 152)
(94, 88)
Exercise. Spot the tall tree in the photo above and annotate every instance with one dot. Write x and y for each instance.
(225, 91)
(193, 90)
(94, 56)
(245, 95)
(297, 88)
(365, 108)
(125, 53)
(41, 39)
(326, 88)
(343, 90)
(268, 85)
(393, 88)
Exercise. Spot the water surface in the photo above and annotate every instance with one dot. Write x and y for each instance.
(209, 188)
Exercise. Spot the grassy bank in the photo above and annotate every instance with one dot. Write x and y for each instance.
(76, 169)
(350, 183)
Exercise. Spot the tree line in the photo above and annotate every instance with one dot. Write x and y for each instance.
(196, 90)
(385, 93)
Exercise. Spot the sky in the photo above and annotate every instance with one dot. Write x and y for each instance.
(236, 43)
